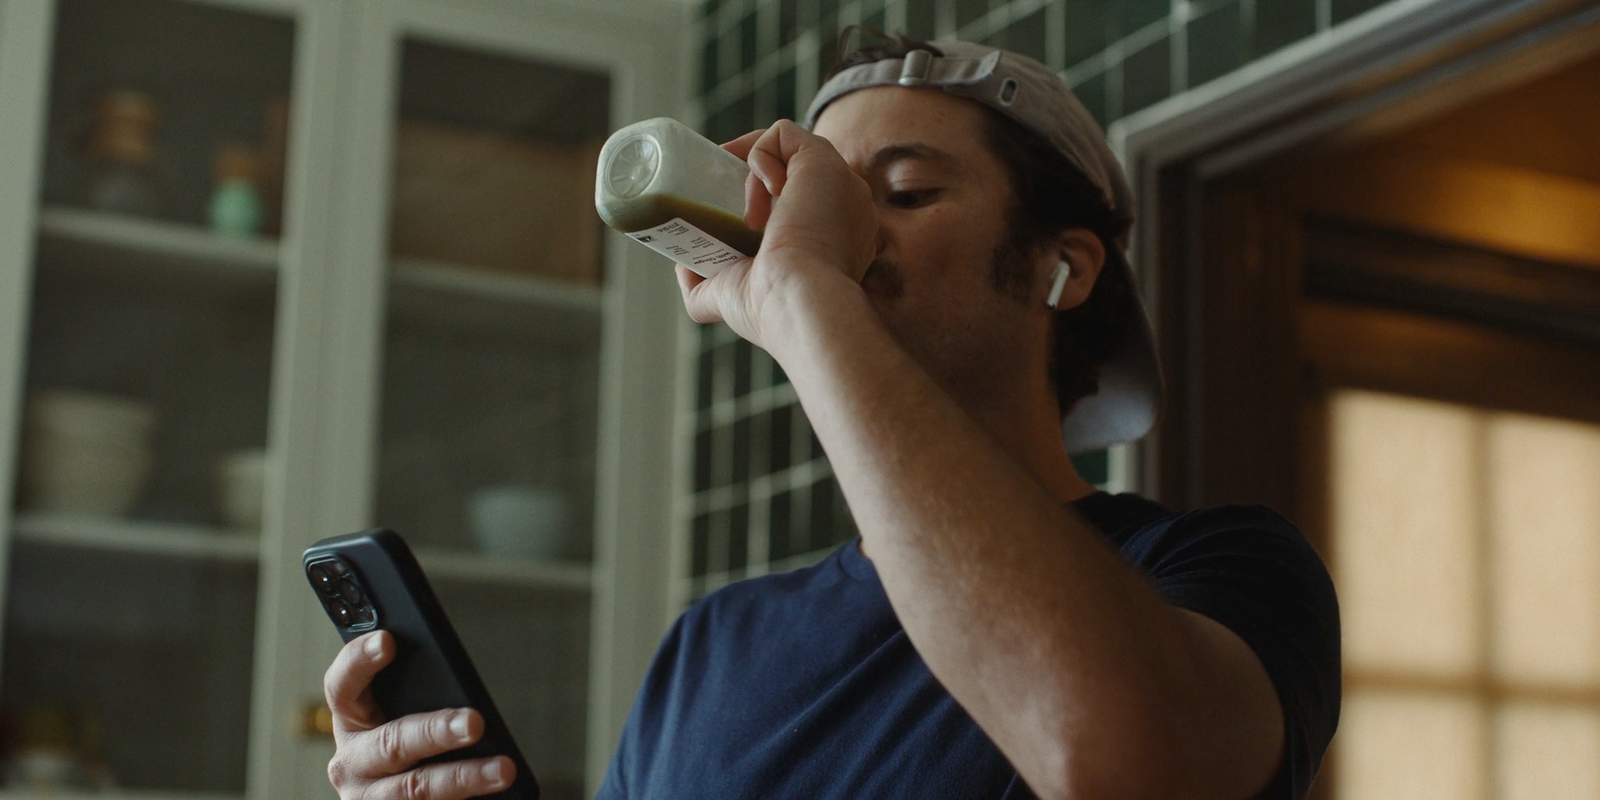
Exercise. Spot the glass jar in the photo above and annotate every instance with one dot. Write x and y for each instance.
(121, 153)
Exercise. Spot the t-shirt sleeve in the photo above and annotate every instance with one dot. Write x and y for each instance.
(612, 787)
(1252, 571)
(647, 720)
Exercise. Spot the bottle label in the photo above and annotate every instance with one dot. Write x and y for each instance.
(701, 252)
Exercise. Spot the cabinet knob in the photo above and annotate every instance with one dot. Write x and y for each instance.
(316, 719)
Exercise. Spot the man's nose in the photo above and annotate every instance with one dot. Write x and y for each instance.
(883, 240)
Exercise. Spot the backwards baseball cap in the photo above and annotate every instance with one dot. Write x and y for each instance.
(1129, 399)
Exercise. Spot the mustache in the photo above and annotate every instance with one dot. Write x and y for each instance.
(884, 279)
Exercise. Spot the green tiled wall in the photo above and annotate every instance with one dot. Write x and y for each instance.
(1133, 52)
(763, 493)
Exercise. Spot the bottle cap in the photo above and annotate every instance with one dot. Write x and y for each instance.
(633, 165)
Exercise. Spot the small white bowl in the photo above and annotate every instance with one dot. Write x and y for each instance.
(67, 414)
(241, 487)
(82, 479)
(520, 521)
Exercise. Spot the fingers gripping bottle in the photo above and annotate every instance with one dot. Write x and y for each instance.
(677, 193)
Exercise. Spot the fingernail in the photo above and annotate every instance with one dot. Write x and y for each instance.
(458, 725)
(373, 647)
(492, 772)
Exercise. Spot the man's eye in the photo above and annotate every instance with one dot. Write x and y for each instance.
(911, 199)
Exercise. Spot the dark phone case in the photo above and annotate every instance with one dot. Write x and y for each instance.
(431, 669)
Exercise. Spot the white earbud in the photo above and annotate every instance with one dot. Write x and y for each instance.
(1058, 282)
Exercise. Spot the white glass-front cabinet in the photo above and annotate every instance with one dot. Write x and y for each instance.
(275, 270)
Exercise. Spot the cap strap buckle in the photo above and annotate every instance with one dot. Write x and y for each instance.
(915, 68)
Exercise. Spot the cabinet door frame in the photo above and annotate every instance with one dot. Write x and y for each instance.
(300, 506)
(641, 49)
(26, 45)
(26, 33)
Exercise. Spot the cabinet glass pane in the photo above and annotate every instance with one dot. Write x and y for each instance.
(487, 454)
(130, 589)
(148, 98)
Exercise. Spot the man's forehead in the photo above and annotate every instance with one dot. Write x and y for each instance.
(920, 123)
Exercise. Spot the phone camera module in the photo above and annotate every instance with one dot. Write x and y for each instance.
(341, 594)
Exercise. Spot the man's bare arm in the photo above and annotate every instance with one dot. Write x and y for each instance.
(1065, 656)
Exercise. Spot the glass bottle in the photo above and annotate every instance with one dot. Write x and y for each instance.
(677, 193)
(236, 202)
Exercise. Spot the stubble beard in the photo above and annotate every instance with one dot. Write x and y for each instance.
(968, 370)
(1010, 272)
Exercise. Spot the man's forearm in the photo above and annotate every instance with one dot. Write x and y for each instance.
(1060, 651)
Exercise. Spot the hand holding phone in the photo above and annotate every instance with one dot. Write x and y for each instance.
(377, 758)
(411, 716)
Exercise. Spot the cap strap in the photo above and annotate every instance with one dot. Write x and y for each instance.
(918, 68)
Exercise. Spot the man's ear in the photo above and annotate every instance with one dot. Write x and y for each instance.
(1083, 251)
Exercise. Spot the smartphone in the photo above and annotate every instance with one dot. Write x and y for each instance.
(370, 581)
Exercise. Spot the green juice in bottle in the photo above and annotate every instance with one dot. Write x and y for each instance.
(677, 193)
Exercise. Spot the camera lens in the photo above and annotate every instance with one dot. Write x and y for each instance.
(322, 576)
(349, 591)
(340, 612)
(338, 567)
(364, 615)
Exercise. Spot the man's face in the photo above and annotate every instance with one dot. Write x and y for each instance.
(942, 199)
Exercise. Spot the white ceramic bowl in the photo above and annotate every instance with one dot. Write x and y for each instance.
(80, 479)
(520, 521)
(113, 422)
(47, 770)
(85, 453)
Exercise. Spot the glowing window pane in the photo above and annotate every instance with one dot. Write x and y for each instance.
(1545, 567)
(1404, 515)
(1546, 752)
(1404, 746)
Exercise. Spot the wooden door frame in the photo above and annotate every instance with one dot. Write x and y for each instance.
(1226, 431)
(1248, 387)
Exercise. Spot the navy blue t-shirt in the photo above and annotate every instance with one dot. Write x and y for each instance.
(805, 685)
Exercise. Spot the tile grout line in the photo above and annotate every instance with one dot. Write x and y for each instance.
(1178, 43)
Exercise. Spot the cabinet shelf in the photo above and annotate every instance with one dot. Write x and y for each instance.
(131, 536)
(518, 289)
(115, 243)
(446, 565)
(467, 298)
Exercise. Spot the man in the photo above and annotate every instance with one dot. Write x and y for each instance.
(941, 280)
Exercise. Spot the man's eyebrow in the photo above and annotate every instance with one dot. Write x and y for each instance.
(913, 150)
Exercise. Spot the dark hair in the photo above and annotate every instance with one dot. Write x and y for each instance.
(1051, 196)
